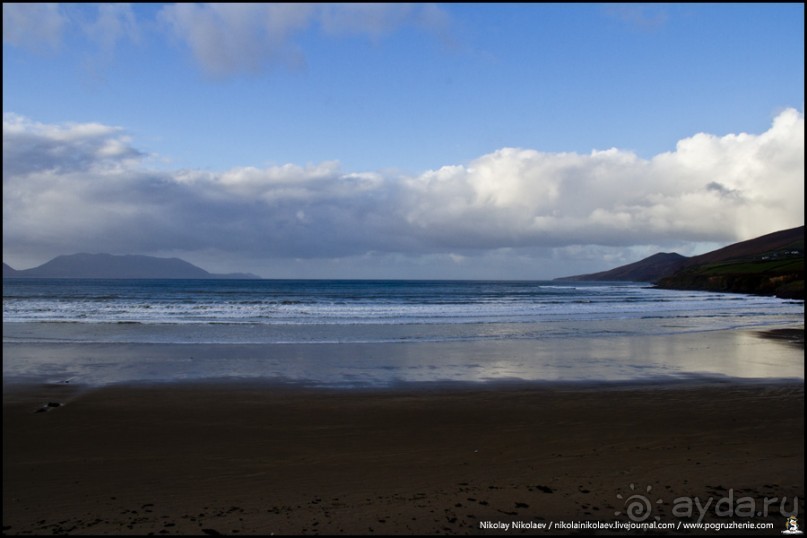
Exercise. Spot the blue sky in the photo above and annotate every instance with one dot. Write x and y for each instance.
(397, 140)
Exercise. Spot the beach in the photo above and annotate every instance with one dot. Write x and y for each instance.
(255, 457)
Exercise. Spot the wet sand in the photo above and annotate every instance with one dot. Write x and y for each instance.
(792, 336)
(251, 458)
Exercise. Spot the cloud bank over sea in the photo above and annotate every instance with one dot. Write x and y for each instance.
(87, 186)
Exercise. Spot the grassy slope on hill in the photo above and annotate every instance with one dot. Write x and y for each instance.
(748, 268)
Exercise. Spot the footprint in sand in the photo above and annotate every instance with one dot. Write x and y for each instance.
(48, 406)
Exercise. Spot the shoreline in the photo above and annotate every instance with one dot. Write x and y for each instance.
(232, 458)
(259, 456)
(740, 355)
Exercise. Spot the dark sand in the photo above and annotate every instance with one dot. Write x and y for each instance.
(794, 337)
(246, 458)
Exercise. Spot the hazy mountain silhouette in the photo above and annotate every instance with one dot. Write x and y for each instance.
(117, 266)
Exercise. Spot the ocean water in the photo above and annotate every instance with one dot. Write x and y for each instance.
(379, 333)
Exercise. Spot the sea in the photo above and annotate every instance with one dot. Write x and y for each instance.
(388, 333)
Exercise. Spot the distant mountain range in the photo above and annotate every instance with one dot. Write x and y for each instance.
(772, 264)
(117, 266)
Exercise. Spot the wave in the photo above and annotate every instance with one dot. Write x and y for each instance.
(469, 307)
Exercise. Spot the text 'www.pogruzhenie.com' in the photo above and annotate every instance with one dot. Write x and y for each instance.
(620, 525)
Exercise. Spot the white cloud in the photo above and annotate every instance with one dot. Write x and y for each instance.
(33, 26)
(372, 19)
(376, 20)
(115, 22)
(232, 38)
(638, 16)
(224, 38)
(30, 147)
(228, 38)
(43, 27)
(77, 187)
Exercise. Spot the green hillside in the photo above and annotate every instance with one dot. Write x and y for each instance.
(779, 271)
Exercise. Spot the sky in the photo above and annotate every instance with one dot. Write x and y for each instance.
(467, 141)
